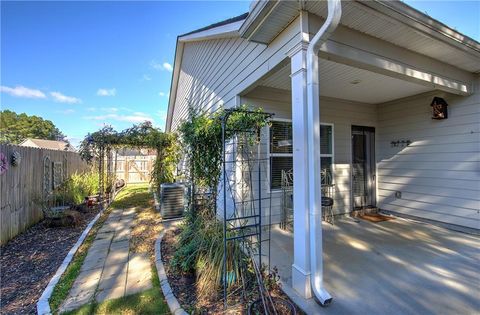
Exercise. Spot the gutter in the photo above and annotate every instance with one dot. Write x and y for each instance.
(314, 161)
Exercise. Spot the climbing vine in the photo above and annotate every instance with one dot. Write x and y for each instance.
(202, 139)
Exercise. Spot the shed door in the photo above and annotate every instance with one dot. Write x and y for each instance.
(363, 167)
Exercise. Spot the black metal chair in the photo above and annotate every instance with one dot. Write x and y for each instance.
(328, 190)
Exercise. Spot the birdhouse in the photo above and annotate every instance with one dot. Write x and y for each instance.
(439, 108)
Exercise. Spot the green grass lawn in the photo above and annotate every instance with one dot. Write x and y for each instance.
(147, 302)
(134, 195)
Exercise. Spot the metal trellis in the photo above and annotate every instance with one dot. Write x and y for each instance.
(242, 157)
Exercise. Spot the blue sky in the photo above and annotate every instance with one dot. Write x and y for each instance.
(85, 64)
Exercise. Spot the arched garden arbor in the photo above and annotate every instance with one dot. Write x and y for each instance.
(98, 147)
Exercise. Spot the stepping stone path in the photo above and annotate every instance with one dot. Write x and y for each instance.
(110, 270)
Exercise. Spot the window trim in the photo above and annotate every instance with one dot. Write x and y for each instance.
(270, 155)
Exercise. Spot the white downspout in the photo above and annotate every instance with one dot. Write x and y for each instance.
(315, 195)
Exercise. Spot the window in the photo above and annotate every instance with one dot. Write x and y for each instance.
(326, 152)
(281, 150)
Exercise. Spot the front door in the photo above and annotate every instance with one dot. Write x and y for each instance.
(363, 167)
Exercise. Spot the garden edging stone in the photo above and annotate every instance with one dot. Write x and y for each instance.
(43, 306)
(172, 301)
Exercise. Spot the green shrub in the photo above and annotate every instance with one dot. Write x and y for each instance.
(81, 185)
(76, 188)
(200, 250)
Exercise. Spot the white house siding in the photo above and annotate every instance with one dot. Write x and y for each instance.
(438, 175)
(342, 114)
(213, 72)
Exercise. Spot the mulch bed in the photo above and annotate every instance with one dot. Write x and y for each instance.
(30, 260)
(183, 285)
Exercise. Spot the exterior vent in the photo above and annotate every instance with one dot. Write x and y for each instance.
(172, 200)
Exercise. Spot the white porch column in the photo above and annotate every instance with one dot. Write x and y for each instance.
(301, 247)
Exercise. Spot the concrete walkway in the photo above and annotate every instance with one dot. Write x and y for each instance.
(110, 270)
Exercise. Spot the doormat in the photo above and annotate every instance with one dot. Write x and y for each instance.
(375, 217)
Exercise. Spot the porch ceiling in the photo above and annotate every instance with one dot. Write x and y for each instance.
(391, 21)
(364, 17)
(350, 83)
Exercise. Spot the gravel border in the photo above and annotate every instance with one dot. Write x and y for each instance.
(172, 301)
(43, 306)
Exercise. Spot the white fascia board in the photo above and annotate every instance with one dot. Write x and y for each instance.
(174, 84)
(224, 31)
(362, 59)
(228, 30)
(256, 16)
(423, 23)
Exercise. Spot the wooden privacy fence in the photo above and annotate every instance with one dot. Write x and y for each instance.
(23, 185)
(135, 169)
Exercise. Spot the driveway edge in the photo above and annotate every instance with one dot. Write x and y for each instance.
(172, 301)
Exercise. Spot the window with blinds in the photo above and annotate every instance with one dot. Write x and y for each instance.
(326, 149)
(281, 150)
(281, 137)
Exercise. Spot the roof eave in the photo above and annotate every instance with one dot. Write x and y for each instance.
(173, 84)
(223, 31)
(394, 9)
(226, 30)
(257, 16)
(421, 21)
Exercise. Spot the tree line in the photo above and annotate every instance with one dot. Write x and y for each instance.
(14, 128)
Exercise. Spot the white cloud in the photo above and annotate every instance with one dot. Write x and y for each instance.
(146, 77)
(135, 118)
(59, 97)
(164, 66)
(66, 111)
(140, 114)
(167, 67)
(90, 109)
(21, 91)
(107, 92)
(161, 94)
(109, 109)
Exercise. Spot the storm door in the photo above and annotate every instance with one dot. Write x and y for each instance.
(363, 167)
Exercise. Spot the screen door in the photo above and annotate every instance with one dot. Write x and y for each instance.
(363, 167)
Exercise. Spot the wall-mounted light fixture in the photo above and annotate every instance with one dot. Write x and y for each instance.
(439, 108)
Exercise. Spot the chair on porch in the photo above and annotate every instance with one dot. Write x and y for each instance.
(328, 190)
(287, 200)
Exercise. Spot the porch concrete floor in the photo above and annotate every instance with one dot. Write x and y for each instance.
(393, 267)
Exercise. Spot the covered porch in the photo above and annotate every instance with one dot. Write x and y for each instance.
(373, 267)
(398, 266)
